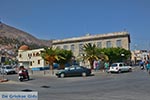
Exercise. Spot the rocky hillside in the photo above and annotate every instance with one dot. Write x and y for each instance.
(12, 37)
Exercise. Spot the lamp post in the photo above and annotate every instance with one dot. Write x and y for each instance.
(122, 57)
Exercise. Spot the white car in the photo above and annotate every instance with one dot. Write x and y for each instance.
(7, 69)
(119, 67)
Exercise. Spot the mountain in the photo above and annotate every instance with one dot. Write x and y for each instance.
(12, 37)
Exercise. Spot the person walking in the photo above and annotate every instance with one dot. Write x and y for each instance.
(95, 65)
(141, 65)
(106, 66)
(148, 66)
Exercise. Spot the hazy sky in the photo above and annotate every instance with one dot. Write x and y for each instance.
(59, 19)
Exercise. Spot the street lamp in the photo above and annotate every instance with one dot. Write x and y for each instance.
(122, 57)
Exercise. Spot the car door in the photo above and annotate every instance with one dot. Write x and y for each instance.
(124, 67)
(79, 70)
(71, 71)
(121, 67)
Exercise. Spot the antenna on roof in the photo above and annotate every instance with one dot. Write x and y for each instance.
(88, 34)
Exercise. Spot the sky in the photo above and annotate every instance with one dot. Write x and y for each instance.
(60, 19)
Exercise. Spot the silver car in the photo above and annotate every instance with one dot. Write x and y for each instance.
(119, 67)
(7, 69)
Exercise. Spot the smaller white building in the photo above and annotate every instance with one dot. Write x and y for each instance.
(31, 58)
(139, 55)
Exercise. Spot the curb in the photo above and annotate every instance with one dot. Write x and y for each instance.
(3, 80)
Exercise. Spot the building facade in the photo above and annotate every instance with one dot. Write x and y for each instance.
(31, 58)
(116, 39)
(139, 55)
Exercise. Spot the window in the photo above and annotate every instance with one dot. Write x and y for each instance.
(120, 65)
(20, 55)
(29, 55)
(33, 54)
(66, 68)
(72, 68)
(38, 61)
(118, 43)
(65, 47)
(78, 67)
(72, 48)
(99, 44)
(58, 47)
(31, 63)
(80, 48)
(37, 54)
(113, 65)
(108, 44)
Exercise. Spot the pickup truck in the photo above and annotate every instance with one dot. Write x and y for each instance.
(120, 67)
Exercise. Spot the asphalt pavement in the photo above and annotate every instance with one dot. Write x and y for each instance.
(101, 86)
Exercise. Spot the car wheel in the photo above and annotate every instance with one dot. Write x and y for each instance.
(21, 79)
(83, 74)
(130, 70)
(119, 71)
(62, 75)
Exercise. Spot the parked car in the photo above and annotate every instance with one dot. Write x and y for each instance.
(7, 69)
(74, 71)
(119, 67)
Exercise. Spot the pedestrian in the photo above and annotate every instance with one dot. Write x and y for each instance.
(145, 63)
(141, 65)
(148, 66)
(106, 66)
(95, 65)
(98, 65)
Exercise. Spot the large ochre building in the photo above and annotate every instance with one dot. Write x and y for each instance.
(116, 39)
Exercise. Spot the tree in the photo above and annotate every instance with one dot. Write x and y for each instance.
(116, 54)
(50, 55)
(92, 53)
(66, 54)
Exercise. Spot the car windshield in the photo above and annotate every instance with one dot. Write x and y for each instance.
(113, 65)
(8, 67)
(78, 67)
(66, 68)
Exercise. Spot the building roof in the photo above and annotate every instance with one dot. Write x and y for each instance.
(24, 47)
(91, 37)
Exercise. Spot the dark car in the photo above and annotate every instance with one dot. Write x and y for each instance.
(74, 71)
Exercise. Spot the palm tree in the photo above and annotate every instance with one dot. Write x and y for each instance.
(67, 55)
(92, 53)
(50, 55)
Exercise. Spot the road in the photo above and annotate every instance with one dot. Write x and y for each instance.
(102, 86)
